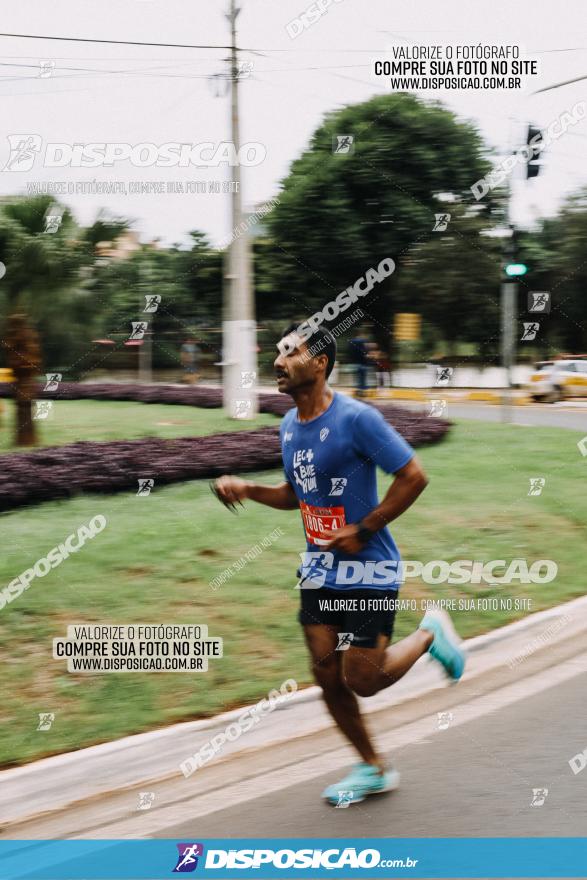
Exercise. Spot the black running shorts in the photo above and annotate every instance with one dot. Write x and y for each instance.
(364, 613)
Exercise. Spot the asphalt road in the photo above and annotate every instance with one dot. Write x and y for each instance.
(573, 417)
(571, 414)
(476, 779)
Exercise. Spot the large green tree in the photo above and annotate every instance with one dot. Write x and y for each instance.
(48, 268)
(453, 280)
(41, 252)
(40, 263)
(555, 255)
(189, 282)
(44, 294)
(339, 214)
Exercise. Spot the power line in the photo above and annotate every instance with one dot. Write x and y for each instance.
(313, 67)
(113, 42)
(148, 71)
(104, 58)
(37, 65)
(566, 82)
(547, 51)
(240, 49)
(89, 72)
(173, 45)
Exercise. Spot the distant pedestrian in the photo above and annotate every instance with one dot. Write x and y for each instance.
(382, 368)
(360, 356)
(189, 360)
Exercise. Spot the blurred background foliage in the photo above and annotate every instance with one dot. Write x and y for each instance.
(336, 215)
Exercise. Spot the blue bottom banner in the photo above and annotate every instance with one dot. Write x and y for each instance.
(483, 857)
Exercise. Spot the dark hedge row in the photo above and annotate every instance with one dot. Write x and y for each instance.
(63, 471)
(209, 398)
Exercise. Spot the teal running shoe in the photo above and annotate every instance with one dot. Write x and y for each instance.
(363, 780)
(446, 645)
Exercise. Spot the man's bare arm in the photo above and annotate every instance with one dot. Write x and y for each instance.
(410, 481)
(231, 490)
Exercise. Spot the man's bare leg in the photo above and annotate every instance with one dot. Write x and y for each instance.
(340, 700)
(399, 658)
(369, 670)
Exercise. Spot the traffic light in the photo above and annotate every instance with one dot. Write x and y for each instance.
(514, 269)
(534, 141)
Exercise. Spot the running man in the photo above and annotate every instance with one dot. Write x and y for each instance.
(331, 446)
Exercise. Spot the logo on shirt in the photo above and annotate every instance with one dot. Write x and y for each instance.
(337, 485)
(324, 434)
(305, 471)
(287, 436)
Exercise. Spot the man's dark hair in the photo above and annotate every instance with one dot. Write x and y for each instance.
(320, 342)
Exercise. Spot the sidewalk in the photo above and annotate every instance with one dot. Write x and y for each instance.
(53, 784)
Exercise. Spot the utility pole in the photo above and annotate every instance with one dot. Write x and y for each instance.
(509, 287)
(239, 332)
(509, 298)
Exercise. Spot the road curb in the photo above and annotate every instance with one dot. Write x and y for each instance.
(55, 783)
(424, 395)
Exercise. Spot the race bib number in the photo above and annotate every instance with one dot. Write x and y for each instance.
(318, 520)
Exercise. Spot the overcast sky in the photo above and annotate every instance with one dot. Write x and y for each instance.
(134, 94)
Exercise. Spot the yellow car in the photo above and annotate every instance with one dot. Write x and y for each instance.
(557, 380)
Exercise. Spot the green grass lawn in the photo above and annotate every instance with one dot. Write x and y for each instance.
(154, 561)
(71, 420)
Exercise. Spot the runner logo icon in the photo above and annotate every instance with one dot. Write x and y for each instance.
(344, 641)
(187, 859)
(313, 570)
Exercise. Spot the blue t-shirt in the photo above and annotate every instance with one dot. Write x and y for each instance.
(331, 463)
